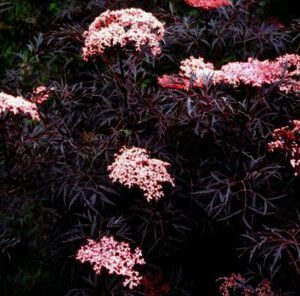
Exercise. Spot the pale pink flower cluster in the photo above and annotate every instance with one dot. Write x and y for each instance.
(235, 283)
(41, 94)
(257, 73)
(208, 4)
(253, 72)
(195, 72)
(134, 167)
(18, 105)
(122, 27)
(287, 139)
(115, 256)
(291, 64)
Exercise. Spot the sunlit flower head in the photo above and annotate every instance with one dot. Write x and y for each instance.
(134, 167)
(18, 104)
(123, 27)
(114, 256)
(194, 72)
(259, 73)
(208, 4)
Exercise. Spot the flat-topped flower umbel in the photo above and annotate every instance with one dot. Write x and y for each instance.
(259, 73)
(122, 27)
(114, 256)
(194, 72)
(134, 167)
(208, 4)
(18, 105)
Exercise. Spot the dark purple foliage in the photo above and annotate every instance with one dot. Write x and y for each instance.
(235, 205)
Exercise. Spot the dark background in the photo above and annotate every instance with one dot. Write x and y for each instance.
(41, 229)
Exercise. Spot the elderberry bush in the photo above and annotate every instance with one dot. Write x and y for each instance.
(149, 148)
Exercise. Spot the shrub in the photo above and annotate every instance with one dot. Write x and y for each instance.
(156, 140)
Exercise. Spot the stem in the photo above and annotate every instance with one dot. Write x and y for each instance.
(207, 15)
(249, 24)
(123, 87)
(206, 19)
(5, 149)
(250, 15)
(293, 261)
(121, 66)
(206, 26)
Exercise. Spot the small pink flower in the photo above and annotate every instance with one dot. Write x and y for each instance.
(114, 256)
(41, 94)
(287, 139)
(122, 27)
(134, 167)
(208, 4)
(18, 105)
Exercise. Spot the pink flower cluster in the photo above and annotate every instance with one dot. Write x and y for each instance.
(18, 105)
(208, 4)
(234, 281)
(195, 73)
(122, 27)
(197, 70)
(287, 139)
(237, 284)
(41, 94)
(257, 73)
(134, 167)
(115, 256)
(264, 289)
